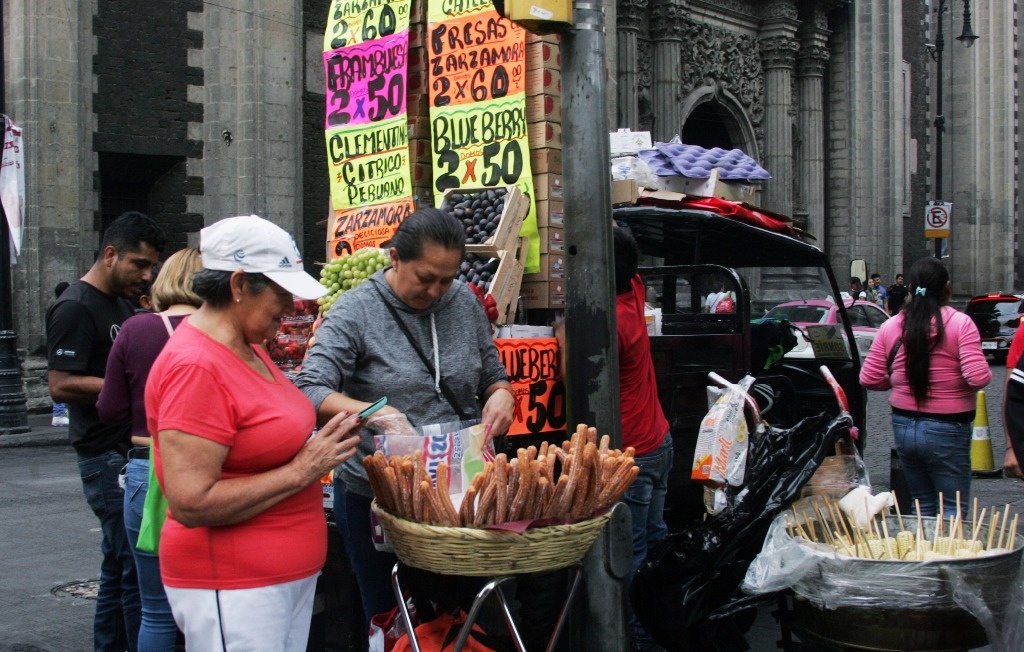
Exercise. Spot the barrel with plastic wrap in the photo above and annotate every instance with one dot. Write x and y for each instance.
(844, 602)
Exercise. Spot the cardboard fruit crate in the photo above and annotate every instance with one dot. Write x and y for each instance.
(505, 281)
(506, 294)
(504, 235)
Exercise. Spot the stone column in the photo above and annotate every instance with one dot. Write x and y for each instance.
(812, 61)
(778, 55)
(249, 89)
(49, 94)
(666, 49)
(630, 19)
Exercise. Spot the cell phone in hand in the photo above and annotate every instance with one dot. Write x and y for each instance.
(381, 402)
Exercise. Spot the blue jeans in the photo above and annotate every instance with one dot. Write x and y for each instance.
(118, 612)
(936, 456)
(646, 501)
(371, 567)
(158, 630)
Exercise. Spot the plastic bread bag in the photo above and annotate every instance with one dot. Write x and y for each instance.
(462, 445)
(720, 456)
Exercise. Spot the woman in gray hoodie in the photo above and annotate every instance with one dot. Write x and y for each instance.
(362, 353)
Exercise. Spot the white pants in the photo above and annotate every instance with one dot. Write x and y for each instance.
(273, 618)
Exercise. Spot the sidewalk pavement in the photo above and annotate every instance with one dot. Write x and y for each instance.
(40, 433)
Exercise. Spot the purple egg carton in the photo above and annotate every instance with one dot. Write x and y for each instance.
(674, 159)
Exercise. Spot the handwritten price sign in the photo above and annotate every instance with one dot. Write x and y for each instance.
(477, 95)
(351, 22)
(475, 59)
(366, 82)
(481, 144)
(369, 226)
(532, 366)
(369, 164)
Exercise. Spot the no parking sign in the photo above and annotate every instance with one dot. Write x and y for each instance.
(937, 218)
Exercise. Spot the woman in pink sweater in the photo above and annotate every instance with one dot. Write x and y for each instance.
(930, 356)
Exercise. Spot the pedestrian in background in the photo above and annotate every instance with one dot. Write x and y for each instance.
(60, 410)
(80, 331)
(245, 535)
(122, 398)
(876, 291)
(930, 356)
(856, 291)
(896, 295)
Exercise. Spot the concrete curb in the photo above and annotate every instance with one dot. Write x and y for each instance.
(40, 433)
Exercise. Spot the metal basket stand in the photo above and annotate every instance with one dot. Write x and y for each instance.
(493, 586)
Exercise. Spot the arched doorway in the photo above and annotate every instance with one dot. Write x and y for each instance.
(708, 126)
(713, 117)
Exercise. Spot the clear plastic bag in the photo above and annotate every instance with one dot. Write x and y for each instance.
(462, 445)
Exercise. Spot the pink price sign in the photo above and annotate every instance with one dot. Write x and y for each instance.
(366, 82)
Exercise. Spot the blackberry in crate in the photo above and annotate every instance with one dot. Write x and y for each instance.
(479, 211)
(479, 271)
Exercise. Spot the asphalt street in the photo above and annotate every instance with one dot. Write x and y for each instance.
(49, 540)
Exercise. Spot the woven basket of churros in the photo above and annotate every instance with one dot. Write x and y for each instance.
(538, 511)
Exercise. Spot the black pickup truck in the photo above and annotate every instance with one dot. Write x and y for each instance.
(690, 253)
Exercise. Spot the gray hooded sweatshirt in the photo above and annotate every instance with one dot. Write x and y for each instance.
(361, 352)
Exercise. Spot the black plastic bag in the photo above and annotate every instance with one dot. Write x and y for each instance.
(687, 592)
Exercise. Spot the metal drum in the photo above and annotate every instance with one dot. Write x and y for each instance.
(865, 604)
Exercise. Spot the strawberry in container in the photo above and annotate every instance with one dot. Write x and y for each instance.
(478, 272)
(289, 346)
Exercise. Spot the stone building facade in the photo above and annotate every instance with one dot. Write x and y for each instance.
(836, 99)
(193, 111)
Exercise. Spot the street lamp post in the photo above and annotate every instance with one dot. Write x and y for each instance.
(13, 413)
(967, 38)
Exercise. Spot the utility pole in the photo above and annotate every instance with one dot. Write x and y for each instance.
(13, 412)
(590, 324)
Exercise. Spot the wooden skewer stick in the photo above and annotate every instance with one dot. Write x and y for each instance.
(824, 525)
(840, 518)
(977, 526)
(1011, 542)
(867, 515)
(993, 524)
(939, 513)
(1002, 527)
(899, 516)
(816, 525)
(799, 525)
(974, 514)
(959, 522)
(885, 540)
(920, 527)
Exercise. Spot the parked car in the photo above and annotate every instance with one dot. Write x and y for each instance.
(997, 317)
(865, 318)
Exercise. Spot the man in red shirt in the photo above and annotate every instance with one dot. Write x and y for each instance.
(644, 426)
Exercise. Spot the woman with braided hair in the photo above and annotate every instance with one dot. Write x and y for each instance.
(930, 356)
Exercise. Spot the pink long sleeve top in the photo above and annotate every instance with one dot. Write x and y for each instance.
(957, 367)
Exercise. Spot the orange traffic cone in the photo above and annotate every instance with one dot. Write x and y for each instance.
(982, 461)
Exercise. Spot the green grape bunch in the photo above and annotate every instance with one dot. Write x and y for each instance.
(349, 271)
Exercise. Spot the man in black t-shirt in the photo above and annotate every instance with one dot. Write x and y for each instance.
(80, 331)
(897, 296)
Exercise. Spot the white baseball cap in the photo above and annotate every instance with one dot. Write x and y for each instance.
(253, 244)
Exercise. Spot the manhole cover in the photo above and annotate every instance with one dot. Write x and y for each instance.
(78, 589)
